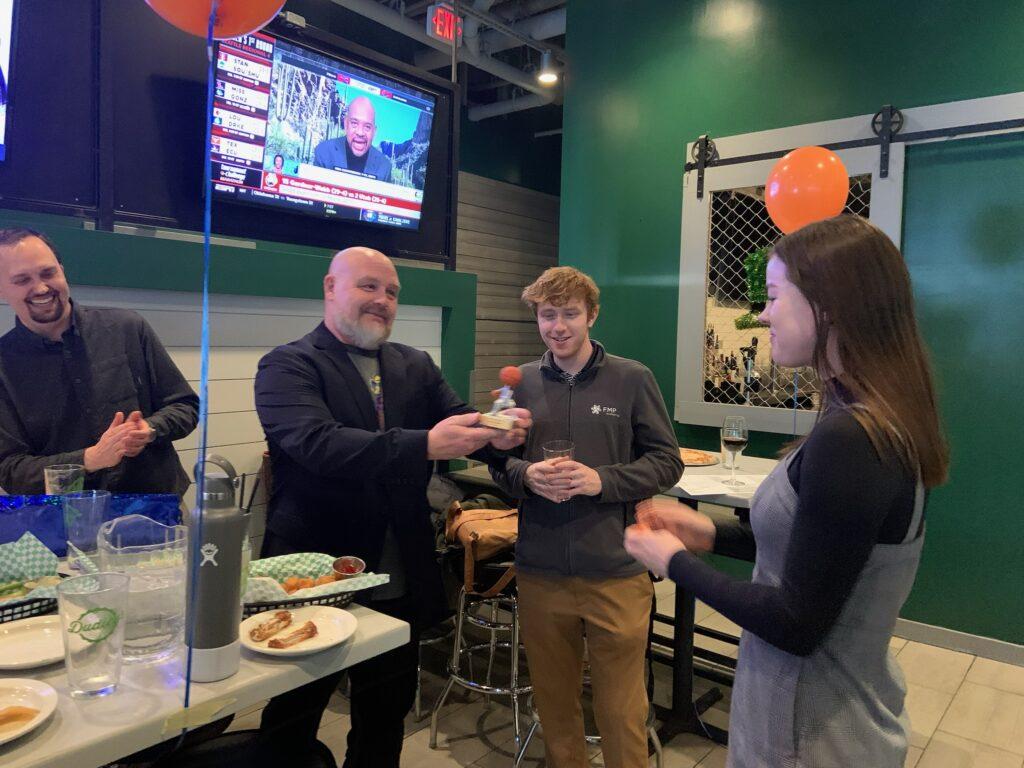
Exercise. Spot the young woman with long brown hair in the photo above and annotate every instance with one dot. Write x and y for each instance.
(836, 530)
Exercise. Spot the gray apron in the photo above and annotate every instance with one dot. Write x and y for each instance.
(843, 704)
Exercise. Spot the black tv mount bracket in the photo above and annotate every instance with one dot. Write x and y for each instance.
(887, 124)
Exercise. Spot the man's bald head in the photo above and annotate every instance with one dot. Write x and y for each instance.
(360, 125)
(362, 107)
(359, 256)
(361, 297)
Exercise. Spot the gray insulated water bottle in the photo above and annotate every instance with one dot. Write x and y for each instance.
(214, 584)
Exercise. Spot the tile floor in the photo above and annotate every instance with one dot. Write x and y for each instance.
(965, 712)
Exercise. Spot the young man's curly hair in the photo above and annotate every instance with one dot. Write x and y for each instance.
(559, 286)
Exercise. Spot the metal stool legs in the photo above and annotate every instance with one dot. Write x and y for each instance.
(652, 735)
(513, 689)
(460, 648)
(418, 701)
(521, 751)
(460, 617)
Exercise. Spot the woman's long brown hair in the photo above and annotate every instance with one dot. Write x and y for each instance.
(858, 286)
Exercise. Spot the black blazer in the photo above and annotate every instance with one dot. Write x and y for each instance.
(337, 480)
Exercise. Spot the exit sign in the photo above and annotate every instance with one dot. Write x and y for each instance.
(443, 24)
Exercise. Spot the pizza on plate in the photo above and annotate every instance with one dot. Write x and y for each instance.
(693, 458)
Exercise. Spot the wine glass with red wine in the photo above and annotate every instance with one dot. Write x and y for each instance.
(734, 440)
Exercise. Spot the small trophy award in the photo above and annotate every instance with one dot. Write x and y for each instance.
(510, 377)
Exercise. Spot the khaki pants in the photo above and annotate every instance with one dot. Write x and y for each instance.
(614, 614)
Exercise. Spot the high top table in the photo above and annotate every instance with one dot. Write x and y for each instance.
(92, 733)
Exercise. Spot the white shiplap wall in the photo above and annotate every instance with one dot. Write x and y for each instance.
(242, 330)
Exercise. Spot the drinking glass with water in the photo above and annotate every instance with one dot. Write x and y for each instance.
(558, 450)
(92, 610)
(59, 479)
(84, 512)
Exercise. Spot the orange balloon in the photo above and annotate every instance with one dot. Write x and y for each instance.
(809, 184)
(234, 17)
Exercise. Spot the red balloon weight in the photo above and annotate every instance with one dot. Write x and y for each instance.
(809, 184)
(234, 17)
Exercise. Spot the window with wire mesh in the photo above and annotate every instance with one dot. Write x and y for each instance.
(738, 368)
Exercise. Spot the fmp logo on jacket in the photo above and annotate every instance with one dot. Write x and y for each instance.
(604, 410)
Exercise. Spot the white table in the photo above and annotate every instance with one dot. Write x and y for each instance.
(87, 734)
(740, 499)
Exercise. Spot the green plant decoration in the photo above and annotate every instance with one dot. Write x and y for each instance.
(755, 264)
(749, 320)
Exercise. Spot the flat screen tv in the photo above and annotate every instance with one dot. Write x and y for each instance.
(299, 130)
(6, 41)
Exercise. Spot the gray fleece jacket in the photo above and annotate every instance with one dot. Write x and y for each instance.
(614, 414)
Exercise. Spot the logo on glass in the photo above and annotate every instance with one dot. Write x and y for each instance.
(95, 625)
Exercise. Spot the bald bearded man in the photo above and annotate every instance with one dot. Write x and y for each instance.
(354, 423)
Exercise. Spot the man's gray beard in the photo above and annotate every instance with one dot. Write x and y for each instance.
(362, 337)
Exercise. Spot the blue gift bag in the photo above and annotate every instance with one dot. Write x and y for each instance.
(43, 516)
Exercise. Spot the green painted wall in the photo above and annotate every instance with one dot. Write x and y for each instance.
(964, 244)
(636, 92)
(271, 269)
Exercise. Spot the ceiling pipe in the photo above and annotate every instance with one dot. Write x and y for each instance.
(516, 11)
(542, 27)
(508, 11)
(515, 104)
(471, 27)
(500, 26)
(490, 85)
(417, 31)
(415, 9)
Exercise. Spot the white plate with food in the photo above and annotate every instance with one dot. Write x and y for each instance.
(297, 632)
(24, 706)
(693, 458)
(29, 643)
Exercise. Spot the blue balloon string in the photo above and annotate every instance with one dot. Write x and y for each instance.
(204, 356)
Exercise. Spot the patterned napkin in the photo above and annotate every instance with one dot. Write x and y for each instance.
(265, 576)
(25, 559)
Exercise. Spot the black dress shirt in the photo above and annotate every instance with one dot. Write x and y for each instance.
(58, 397)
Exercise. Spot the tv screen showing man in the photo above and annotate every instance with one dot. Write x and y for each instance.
(297, 129)
(355, 151)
